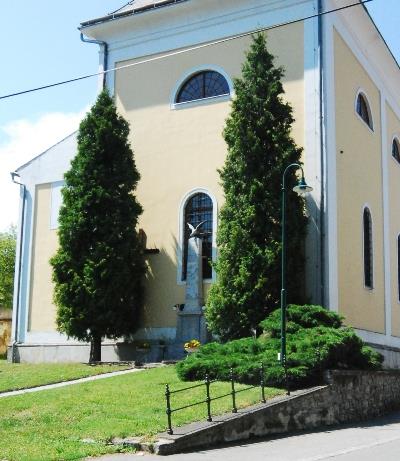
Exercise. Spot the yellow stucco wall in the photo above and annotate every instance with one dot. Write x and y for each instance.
(359, 183)
(393, 128)
(44, 245)
(176, 151)
(179, 150)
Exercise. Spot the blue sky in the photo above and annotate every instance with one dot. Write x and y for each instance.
(40, 45)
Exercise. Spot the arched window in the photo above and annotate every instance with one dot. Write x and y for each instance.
(363, 110)
(203, 85)
(199, 208)
(396, 149)
(368, 249)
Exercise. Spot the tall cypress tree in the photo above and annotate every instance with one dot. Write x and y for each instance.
(260, 147)
(99, 265)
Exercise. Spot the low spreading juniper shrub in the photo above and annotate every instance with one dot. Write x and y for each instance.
(316, 341)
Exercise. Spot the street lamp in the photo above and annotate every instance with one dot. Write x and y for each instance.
(301, 189)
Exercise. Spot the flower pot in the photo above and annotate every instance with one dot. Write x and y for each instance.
(190, 350)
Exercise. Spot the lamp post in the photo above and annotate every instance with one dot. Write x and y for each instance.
(301, 189)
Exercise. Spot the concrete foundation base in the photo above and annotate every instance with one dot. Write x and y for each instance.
(391, 355)
(63, 353)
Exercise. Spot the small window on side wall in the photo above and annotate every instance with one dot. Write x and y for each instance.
(368, 250)
(396, 149)
(363, 110)
(203, 85)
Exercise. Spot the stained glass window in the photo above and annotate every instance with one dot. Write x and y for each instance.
(363, 110)
(199, 208)
(203, 85)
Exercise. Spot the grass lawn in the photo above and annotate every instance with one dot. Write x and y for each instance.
(15, 376)
(50, 425)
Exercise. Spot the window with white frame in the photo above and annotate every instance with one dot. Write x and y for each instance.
(202, 85)
(396, 149)
(368, 249)
(198, 208)
(363, 109)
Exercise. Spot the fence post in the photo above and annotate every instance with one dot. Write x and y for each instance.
(234, 409)
(287, 381)
(262, 383)
(208, 399)
(168, 398)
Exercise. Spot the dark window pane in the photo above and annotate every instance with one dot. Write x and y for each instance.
(203, 85)
(199, 208)
(362, 110)
(368, 250)
(396, 150)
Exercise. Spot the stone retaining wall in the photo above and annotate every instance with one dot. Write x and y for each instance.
(348, 396)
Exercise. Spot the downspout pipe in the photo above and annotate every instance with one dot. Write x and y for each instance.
(322, 151)
(19, 276)
(105, 55)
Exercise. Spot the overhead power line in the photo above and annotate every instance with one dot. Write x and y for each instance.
(186, 50)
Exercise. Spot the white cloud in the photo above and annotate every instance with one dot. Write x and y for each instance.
(20, 141)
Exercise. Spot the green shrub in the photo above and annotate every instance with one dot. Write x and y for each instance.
(316, 341)
(307, 316)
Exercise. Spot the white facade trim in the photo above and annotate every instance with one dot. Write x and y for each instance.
(331, 243)
(18, 274)
(27, 262)
(386, 203)
(201, 102)
(378, 338)
(184, 200)
(196, 70)
(203, 21)
(55, 203)
(361, 92)
(312, 156)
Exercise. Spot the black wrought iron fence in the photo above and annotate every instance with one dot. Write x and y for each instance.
(208, 399)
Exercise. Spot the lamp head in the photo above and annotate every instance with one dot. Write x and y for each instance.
(302, 189)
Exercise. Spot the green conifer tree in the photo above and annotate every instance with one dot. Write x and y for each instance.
(260, 147)
(99, 265)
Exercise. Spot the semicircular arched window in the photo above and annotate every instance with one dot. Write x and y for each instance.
(199, 208)
(363, 110)
(206, 84)
(396, 149)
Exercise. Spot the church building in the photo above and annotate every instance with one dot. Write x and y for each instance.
(170, 66)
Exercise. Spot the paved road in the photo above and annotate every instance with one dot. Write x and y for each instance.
(377, 440)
